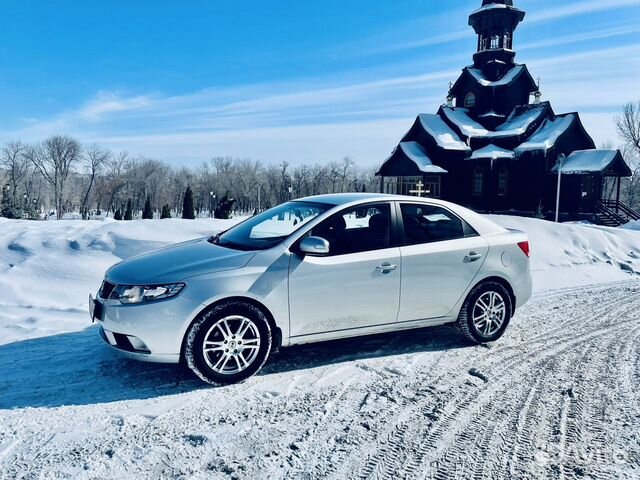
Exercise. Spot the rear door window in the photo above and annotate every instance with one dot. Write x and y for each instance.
(431, 223)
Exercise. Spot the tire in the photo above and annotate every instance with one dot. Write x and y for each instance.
(231, 355)
(489, 324)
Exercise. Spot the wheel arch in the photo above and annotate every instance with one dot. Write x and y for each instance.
(501, 281)
(276, 332)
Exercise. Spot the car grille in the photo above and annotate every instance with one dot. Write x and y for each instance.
(106, 289)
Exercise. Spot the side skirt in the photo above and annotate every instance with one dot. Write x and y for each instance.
(362, 331)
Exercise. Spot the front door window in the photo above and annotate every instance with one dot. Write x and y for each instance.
(360, 229)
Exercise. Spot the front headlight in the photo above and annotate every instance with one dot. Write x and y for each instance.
(139, 294)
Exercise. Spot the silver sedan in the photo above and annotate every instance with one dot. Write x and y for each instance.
(314, 269)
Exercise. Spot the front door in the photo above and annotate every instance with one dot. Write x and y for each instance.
(357, 285)
(440, 258)
(587, 193)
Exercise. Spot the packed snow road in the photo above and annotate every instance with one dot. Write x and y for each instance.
(557, 397)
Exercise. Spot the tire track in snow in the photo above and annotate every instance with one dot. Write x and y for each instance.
(391, 462)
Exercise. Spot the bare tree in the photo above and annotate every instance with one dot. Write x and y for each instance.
(12, 157)
(54, 159)
(628, 125)
(95, 158)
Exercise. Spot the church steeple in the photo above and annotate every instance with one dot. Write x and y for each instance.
(495, 23)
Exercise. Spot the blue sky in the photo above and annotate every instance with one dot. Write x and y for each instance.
(301, 81)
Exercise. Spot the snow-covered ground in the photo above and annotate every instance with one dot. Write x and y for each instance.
(557, 397)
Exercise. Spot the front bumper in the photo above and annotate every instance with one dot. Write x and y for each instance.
(152, 331)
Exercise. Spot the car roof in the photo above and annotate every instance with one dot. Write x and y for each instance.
(347, 198)
(481, 224)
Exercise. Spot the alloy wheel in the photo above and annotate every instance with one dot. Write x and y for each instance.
(489, 313)
(231, 345)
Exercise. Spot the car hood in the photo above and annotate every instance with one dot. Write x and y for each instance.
(177, 262)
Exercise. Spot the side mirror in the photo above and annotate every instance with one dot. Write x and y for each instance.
(315, 246)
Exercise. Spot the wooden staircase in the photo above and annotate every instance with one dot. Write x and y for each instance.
(612, 213)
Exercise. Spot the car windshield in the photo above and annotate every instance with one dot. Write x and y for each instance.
(271, 227)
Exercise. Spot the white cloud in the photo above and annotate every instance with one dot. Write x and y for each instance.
(559, 11)
(367, 142)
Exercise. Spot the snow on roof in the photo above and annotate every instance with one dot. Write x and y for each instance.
(505, 80)
(492, 152)
(584, 161)
(492, 114)
(417, 154)
(518, 123)
(467, 125)
(547, 135)
(442, 133)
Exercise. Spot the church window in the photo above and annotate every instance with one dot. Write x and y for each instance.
(503, 181)
(478, 181)
(495, 42)
(507, 40)
(469, 100)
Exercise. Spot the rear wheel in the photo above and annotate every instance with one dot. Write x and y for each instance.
(229, 343)
(486, 313)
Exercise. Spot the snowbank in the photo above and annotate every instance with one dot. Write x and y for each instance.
(635, 225)
(570, 255)
(48, 269)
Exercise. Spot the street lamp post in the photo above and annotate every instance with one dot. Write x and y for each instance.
(211, 203)
(559, 164)
(290, 192)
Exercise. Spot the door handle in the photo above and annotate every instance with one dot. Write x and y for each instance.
(472, 257)
(386, 268)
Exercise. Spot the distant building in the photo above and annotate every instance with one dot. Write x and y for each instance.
(496, 147)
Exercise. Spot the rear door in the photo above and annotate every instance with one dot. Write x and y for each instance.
(441, 255)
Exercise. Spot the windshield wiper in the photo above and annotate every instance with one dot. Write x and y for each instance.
(214, 238)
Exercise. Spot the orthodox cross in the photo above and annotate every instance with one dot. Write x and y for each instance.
(419, 189)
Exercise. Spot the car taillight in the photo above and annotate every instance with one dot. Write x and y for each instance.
(524, 246)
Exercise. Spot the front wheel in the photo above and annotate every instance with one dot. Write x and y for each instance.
(486, 313)
(228, 343)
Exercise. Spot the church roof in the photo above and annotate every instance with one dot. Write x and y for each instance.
(518, 74)
(443, 135)
(467, 126)
(495, 5)
(496, 10)
(492, 152)
(418, 155)
(415, 154)
(593, 161)
(508, 77)
(548, 133)
(517, 124)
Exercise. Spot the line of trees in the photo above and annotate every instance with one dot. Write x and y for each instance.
(60, 175)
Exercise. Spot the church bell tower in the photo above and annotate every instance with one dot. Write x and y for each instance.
(495, 23)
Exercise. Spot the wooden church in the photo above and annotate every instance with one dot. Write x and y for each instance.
(496, 147)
